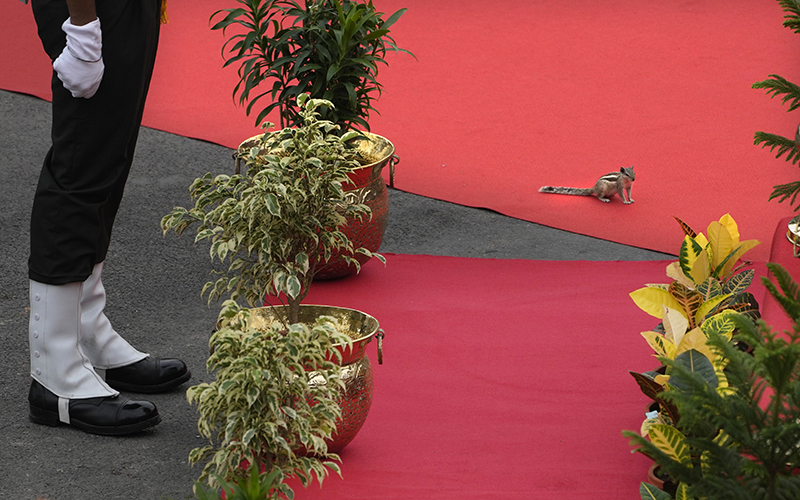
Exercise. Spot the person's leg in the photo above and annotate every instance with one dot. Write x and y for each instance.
(65, 388)
(84, 173)
(76, 200)
(113, 358)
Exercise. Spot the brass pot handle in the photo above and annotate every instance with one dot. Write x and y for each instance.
(394, 160)
(380, 335)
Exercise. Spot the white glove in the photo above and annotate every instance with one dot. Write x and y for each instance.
(80, 66)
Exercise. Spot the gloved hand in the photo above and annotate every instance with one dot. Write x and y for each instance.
(80, 66)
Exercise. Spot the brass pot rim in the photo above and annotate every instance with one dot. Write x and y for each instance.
(383, 159)
(354, 341)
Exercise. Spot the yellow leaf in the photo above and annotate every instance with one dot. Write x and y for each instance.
(707, 307)
(696, 340)
(733, 228)
(675, 272)
(701, 240)
(670, 440)
(675, 324)
(722, 380)
(662, 379)
(744, 247)
(701, 268)
(660, 345)
(652, 299)
(721, 243)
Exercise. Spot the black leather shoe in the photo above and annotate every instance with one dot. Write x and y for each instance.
(111, 416)
(149, 376)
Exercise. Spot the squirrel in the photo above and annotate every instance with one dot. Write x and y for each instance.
(605, 187)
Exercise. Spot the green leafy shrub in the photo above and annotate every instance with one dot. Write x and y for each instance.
(273, 402)
(280, 221)
(329, 49)
(743, 442)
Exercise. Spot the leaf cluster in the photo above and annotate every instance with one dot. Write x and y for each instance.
(708, 278)
(776, 86)
(741, 443)
(329, 49)
(255, 486)
(280, 220)
(274, 400)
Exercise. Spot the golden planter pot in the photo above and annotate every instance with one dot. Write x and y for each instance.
(357, 374)
(366, 186)
(793, 235)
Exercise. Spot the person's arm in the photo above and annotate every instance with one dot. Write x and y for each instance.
(80, 66)
(81, 11)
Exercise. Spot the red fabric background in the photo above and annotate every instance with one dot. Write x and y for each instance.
(503, 379)
(510, 95)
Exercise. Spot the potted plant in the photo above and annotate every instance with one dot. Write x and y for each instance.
(273, 402)
(709, 286)
(329, 49)
(741, 442)
(276, 224)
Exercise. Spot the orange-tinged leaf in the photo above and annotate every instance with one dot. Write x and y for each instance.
(689, 301)
(688, 231)
(652, 299)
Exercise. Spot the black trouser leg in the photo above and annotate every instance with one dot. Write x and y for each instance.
(84, 173)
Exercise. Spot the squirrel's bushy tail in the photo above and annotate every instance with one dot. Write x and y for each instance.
(565, 190)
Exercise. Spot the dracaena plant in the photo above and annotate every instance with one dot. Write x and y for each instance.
(330, 49)
(775, 86)
(273, 401)
(741, 443)
(277, 223)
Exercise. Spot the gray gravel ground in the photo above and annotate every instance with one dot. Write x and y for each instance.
(153, 286)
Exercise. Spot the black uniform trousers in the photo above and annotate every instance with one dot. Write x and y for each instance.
(93, 140)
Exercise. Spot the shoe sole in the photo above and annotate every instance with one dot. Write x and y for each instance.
(150, 389)
(49, 418)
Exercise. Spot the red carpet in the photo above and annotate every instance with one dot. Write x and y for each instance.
(509, 97)
(502, 379)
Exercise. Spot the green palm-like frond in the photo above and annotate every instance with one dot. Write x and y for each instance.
(777, 85)
(782, 144)
(792, 18)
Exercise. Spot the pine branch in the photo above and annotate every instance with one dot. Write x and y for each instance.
(782, 144)
(777, 85)
(782, 192)
(792, 17)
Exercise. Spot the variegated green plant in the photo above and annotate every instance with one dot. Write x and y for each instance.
(277, 223)
(273, 401)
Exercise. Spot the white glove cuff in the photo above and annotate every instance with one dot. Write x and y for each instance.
(85, 42)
